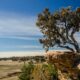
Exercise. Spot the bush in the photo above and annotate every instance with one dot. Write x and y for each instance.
(26, 72)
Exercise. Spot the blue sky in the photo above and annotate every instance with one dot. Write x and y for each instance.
(33, 7)
(18, 31)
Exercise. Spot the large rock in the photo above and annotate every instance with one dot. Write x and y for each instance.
(66, 62)
(53, 54)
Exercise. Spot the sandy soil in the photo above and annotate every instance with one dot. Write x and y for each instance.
(9, 67)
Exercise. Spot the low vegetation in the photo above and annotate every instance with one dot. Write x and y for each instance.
(38, 72)
(26, 71)
(25, 58)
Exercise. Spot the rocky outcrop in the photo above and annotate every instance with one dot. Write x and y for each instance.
(67, 63)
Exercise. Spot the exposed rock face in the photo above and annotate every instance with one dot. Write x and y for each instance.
(53, 54)
(66, 62)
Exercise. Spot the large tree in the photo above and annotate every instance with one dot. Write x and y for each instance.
(59, 28)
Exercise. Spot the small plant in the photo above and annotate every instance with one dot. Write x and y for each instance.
(26, 72)
(52, 72)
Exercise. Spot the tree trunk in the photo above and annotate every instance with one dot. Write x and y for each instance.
(67, 47)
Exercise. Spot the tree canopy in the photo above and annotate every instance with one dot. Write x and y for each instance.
(59, 28)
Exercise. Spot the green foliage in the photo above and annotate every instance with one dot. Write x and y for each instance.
(26, 71)
(58, 28)
(52, 71)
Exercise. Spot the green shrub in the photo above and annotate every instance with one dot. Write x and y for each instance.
(26, 72)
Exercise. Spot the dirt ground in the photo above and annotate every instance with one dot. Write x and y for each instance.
(9, 70)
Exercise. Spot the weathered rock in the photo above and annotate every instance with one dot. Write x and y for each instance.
(66, 62)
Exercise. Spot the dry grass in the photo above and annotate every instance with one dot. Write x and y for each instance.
(9, 67)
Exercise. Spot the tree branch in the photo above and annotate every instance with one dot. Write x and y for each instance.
(67, 47)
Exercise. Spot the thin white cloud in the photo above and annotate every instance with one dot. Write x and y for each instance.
(19, 37)
(21, 46)
(18, 25)
(29, 46)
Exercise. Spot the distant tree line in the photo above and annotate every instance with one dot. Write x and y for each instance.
(25, 58)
